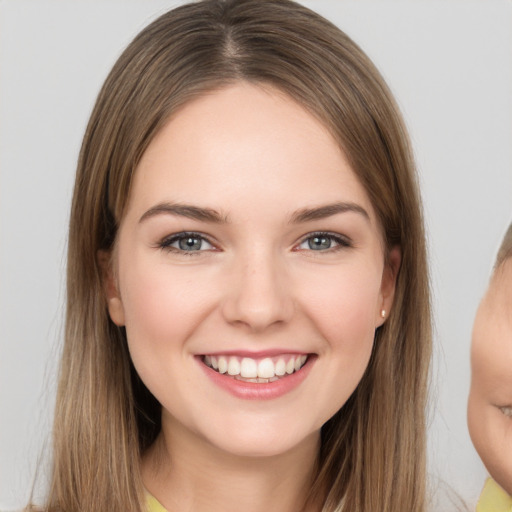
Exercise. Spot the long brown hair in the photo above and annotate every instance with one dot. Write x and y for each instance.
(373, 450)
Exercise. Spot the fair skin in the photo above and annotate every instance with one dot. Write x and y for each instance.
(247, 236)
(490, 399)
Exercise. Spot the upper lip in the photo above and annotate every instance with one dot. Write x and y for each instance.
(256, 354)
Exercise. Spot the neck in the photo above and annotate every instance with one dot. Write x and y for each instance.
(187, 474)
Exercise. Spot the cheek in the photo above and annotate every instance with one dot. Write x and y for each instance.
(160, 301)
(162, 309)
(493, 441)
(344, 314)
(344, 308)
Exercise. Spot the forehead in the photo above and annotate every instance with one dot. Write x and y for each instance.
(494, 316)
(499, 294)
(244, 140)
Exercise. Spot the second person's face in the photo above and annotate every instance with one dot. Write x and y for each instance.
(490, 399)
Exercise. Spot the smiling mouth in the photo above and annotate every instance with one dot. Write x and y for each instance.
(264, 370)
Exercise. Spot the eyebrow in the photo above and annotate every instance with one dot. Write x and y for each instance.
(328, 210)
(185, 210)
(213, 216)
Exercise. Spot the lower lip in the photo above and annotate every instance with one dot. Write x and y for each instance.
(259, 391)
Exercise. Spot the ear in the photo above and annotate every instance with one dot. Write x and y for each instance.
(388, 285)
(110, 288)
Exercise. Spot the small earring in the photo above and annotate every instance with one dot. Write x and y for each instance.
(383, 313)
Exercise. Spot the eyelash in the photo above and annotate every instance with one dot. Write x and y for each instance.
(341, 242)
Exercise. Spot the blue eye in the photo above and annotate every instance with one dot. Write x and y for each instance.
(319, 243)
(186, 242)
(323, 242)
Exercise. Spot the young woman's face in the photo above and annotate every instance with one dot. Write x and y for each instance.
(250, 272)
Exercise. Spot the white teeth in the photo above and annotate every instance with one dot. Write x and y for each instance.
(248, 368)
(233, 366)
(266, 368)
(223, 364)
(280, 367)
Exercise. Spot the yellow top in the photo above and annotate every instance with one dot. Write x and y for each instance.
(153, 505)
(492, 499)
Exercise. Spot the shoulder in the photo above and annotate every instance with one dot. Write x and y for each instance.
(493, 498)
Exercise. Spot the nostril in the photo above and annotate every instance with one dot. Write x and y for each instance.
(257, 314)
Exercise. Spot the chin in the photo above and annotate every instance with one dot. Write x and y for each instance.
(263, 443)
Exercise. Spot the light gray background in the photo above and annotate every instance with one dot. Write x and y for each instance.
(450, 66)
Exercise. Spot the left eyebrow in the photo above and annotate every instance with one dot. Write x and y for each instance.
(322, 212)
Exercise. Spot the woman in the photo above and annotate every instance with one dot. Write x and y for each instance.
(248, 316)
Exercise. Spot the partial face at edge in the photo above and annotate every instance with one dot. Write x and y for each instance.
(248, 235)
(490, 399)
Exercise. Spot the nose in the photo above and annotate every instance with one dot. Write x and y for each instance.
(258, 293)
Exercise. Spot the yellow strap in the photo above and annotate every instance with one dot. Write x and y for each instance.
(153, 505)
(494, 498)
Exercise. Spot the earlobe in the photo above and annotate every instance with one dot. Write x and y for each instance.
(116, 311)
(388, 285)
(110, 288)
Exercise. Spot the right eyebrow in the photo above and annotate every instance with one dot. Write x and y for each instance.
(185, 210)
